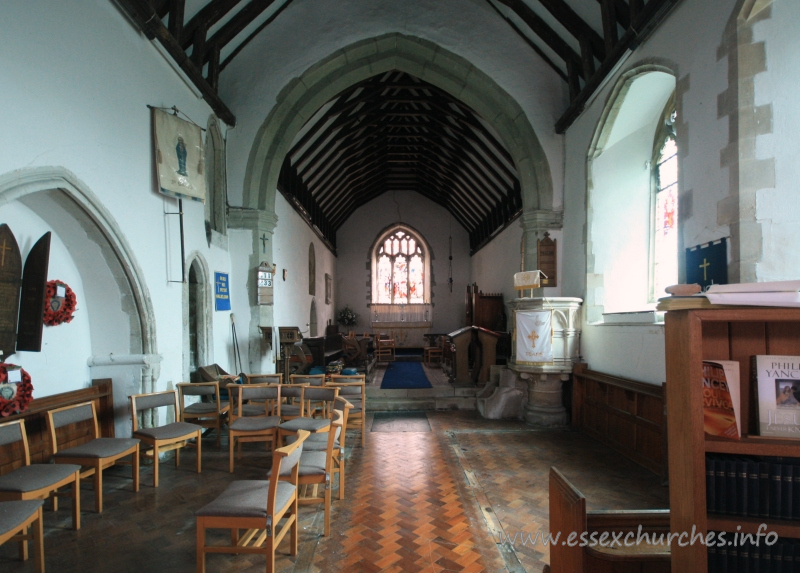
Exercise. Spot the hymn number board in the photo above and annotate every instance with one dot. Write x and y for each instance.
(546, 256)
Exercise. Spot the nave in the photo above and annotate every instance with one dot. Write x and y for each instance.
(416, 501)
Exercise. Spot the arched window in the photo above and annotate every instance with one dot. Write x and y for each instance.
(400, 268)
(665, 207)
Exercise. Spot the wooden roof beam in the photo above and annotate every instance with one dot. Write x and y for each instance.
(576, 26)
(206, 17)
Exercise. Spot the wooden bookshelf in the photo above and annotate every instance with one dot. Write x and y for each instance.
(717, 334)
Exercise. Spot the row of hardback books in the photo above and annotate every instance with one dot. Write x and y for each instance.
(781, 557)
(753, 487)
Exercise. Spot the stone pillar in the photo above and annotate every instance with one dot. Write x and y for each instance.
(545, 406)
(262, 224)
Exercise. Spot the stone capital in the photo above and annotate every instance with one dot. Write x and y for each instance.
(540, 220)
(253, 219)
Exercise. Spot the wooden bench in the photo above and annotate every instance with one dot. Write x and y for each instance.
(568, 516)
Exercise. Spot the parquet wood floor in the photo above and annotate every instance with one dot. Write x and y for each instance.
(416, 501)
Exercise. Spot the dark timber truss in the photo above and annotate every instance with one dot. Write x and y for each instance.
(395, 132)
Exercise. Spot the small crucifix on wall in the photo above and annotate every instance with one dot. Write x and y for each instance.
(264, 240)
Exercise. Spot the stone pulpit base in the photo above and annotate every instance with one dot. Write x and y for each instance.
(545, 406)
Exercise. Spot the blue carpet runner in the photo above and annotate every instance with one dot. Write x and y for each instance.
(404, 375)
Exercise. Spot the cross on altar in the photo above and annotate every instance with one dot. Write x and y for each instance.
(3, 250)
(264, 240)
(705, 266)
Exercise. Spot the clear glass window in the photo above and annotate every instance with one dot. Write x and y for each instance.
(400, 272)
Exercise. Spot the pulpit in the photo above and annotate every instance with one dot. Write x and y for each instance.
(545, 374)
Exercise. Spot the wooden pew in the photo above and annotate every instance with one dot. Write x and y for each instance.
(568, 516)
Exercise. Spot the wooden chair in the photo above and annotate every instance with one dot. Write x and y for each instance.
(258, 507)
(165, 438)
(94, 455)
(353, 388)
(291, 401)
(316, 467)
(212, 414)
(38, 481)
(253, 428)
(568, 514)
(264, 378)
(325, 397)
(307, 379)
(384, 349)
(16, 517)
(431, 354)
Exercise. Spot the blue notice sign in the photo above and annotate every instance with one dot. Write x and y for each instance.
(222, 299)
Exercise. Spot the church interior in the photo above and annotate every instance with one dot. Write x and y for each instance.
(417, 252)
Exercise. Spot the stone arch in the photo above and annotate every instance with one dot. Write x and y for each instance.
(303, 97)
(596, 287)
(74, 199)
(121, 316)
(198, 266)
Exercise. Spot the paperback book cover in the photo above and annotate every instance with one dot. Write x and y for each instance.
(776, 380)
(721, 398)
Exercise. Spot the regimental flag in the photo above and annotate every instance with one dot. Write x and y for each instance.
(179, 157)
(708, 264)
(534, 337)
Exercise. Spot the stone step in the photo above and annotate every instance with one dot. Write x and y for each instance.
(436, 398)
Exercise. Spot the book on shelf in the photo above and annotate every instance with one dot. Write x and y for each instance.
(750, 486)
(776, 383)
(735, 554)
(721, 399)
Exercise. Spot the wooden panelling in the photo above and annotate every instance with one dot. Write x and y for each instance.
(36, 427)
(623, 414)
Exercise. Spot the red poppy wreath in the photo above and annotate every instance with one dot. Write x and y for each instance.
(58, 309)
(14, 397)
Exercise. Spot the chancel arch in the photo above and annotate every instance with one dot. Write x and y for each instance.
(620, 172)
(302, 98)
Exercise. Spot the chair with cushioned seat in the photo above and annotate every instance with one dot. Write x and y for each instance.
(94, 455)
(307, 379)
(291, 401)
(165, 438)
(353, 388)
(257, 506)
(38, 481)
(252, 428)
(325, 396)
(316, 467)
(213, 414)
(318, 443)
(16, 517)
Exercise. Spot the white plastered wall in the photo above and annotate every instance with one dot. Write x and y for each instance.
(78, 78)
(687, 42)
(435, 224)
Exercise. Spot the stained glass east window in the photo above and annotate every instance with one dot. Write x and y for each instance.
(400, 272)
